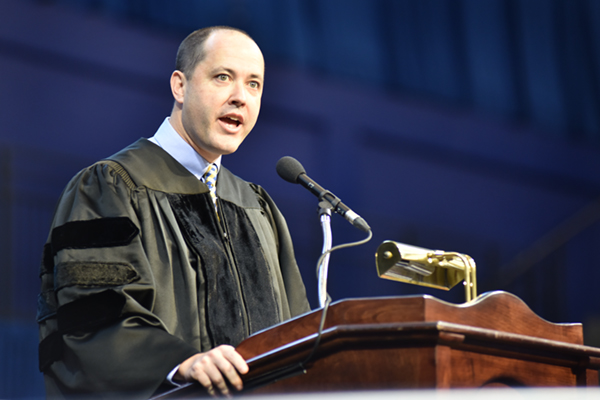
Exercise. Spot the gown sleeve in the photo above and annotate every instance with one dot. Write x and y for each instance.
(98, 333)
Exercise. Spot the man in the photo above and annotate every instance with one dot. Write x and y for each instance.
(148, 277)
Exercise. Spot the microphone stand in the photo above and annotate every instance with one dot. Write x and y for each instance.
(323, 267)
(325, 208)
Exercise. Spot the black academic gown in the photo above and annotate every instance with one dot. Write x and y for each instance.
(140, 273)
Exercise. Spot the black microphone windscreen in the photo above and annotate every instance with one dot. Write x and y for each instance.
(289, 169)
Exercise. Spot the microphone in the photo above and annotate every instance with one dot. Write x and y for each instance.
(292, 171)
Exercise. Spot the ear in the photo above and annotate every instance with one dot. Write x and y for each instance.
(178, 83)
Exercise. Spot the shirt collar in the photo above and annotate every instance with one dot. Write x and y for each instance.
(169, 140)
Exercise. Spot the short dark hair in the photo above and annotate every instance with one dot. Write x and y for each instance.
(191, 50)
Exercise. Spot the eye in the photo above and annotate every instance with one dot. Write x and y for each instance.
(254, 85)
(223, 77)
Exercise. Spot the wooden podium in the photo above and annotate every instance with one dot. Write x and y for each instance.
(416, 342)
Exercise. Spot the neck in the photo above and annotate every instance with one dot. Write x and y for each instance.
(177, 124)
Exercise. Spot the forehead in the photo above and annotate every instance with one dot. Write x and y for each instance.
(233, 50)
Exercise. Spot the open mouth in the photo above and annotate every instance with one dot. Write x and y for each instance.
(230, 120)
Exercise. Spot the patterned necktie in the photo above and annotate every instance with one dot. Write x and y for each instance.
(210, 178)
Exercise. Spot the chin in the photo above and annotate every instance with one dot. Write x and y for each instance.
(231, 148)
(227, 150)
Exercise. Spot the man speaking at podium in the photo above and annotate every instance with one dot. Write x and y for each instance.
(159, 259)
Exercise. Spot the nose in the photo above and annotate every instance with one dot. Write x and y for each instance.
(238, 95)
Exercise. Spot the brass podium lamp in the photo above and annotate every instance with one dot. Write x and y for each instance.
(433, 268)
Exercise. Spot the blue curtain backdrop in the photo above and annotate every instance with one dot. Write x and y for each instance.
(535, 61)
